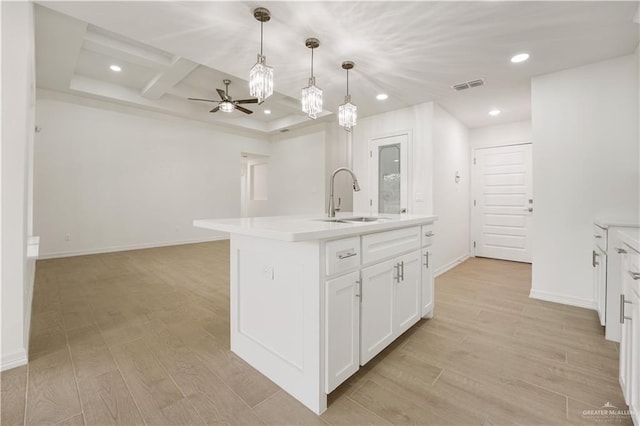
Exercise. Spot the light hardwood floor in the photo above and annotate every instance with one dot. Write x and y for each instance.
(142, 337)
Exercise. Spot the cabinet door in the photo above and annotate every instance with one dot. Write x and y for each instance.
(626, 335)
(634, 352)
(342, 327)
(599, 263)
(376, 309)
(427, 284)
(407, 293)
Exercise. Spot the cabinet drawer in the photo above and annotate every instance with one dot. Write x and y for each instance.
(342, 255)
(391, 243)
(600, 237)
(427, 234)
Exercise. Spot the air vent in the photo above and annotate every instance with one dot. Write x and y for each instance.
(468, 84)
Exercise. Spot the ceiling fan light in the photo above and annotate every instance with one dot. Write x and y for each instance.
(227, 106)
(261, 80)
(312, 99)
(347, 114)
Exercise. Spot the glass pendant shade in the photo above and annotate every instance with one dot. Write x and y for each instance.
(261, 75)
(261, 80)
(347, 114)
(312, 99)
(226, 106)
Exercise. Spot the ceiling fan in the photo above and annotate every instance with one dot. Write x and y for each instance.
(226, 102)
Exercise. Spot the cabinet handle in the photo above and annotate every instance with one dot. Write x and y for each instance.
(634, 275)
(397, 268)
(429, 234)
(622, 302)
(346, 255)
(597, 236)
(402, 270)
(593, 259)
(426, 260)
(359, 289)
(620, 250)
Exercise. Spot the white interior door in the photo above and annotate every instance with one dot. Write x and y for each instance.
(502, 206)
(388, 174)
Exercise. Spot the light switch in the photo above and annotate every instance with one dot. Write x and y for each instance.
(268, 272)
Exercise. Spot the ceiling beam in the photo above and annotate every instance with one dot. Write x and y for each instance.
(168, 78)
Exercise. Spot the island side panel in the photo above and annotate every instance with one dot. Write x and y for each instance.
(276, 313)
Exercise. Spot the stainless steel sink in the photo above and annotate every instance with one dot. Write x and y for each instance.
(361, 219)
(332, 219)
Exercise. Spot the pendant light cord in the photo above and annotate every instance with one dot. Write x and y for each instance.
(311, 62)
(347, 82)
(261, 35)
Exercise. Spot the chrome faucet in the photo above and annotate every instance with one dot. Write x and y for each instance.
(356, 187)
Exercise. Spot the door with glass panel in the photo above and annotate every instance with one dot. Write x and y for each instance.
(388, 174)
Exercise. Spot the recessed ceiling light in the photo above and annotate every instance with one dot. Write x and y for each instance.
(494, 112)
(115, 68)
(520, 57)
(267, 111)
(382, 96)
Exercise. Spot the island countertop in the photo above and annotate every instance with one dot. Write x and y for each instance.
(311, 227)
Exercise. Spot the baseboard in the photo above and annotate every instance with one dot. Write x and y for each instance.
(562, 298)
(128, 247)
(444, 268)
(13, 360)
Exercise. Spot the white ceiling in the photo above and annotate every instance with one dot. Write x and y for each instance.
(413, 51)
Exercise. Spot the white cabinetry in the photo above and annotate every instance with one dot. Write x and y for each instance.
(630, 340)
(606, 265)
(342, 318)
(427, 272)
(599, 264)
(376, 332)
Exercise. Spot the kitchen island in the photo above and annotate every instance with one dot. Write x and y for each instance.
(313, 298)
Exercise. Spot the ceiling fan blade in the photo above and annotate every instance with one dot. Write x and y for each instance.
(215, 109)
(246, 111)
(246, 101)
(222, 94)
(205, 100)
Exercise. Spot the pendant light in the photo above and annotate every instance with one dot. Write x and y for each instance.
(347, 112)
(261, 75)
(312, 95)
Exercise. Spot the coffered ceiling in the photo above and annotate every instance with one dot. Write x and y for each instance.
(412, 51)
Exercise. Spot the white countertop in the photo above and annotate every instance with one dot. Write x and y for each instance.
(608, 223)
(310, 227)
(631, 237)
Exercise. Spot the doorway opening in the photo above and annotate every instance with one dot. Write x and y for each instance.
(254, 185)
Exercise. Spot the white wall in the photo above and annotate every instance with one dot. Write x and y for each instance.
(450, 198)
(339, 154)
(585, 166)
(418, 121)
(297, 172)
(500, 135)
(17, 139)
(116, 180)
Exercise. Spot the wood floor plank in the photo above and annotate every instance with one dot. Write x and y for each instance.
(13, 385)
(107, 401)
(155, 393)
(346, 412)
(89, 352)
(213, 399)
(282, 409)
(52, 394)
(77, 420)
